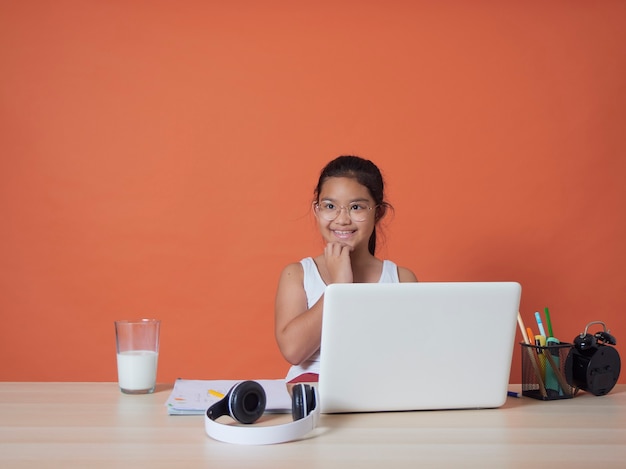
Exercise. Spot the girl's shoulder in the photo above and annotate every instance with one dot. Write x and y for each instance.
(406, 275)
(293, 269)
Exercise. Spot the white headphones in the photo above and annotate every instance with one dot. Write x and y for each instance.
(245, 402)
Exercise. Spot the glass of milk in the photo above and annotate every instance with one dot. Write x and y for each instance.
(137, 343)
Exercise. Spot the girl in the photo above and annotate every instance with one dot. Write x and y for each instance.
(348, 204)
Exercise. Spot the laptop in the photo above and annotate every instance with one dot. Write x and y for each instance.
(417, 346)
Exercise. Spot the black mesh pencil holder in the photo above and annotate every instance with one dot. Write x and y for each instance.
(543, 372)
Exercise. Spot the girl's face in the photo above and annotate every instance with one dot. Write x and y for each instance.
(338, 192)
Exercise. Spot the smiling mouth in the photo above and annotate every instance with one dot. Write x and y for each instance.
(343, 234)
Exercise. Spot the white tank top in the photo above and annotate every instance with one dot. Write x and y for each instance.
(314, 288)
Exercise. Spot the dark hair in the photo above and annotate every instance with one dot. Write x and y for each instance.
(365, 173)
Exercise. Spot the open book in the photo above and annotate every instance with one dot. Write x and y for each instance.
(194, 397)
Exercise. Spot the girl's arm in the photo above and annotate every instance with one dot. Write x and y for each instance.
(298, 329)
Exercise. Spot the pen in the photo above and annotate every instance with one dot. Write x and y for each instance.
(540, 342)
(532, 354)
(520, 322)
(542, 331)
(512, 394)
(215, 393)
(548, 322)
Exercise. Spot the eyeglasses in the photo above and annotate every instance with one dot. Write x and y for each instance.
(357, 211)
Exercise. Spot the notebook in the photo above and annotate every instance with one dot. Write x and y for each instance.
(417, 346)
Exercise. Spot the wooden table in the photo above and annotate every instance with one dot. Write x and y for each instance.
(95, 425)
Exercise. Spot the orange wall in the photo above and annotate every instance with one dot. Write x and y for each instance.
(158, 159)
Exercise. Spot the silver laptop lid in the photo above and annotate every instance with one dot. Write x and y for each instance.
(417, 346)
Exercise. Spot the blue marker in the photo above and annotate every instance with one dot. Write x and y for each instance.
(542, 331)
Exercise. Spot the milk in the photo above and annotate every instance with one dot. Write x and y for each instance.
(136, 369)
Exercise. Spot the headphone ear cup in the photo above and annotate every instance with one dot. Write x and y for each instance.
(303, 401)
(247, 401)
(297, 402)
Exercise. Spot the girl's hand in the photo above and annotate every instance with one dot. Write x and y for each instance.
(337, 257)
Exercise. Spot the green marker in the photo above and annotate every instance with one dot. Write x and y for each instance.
(548, 322)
